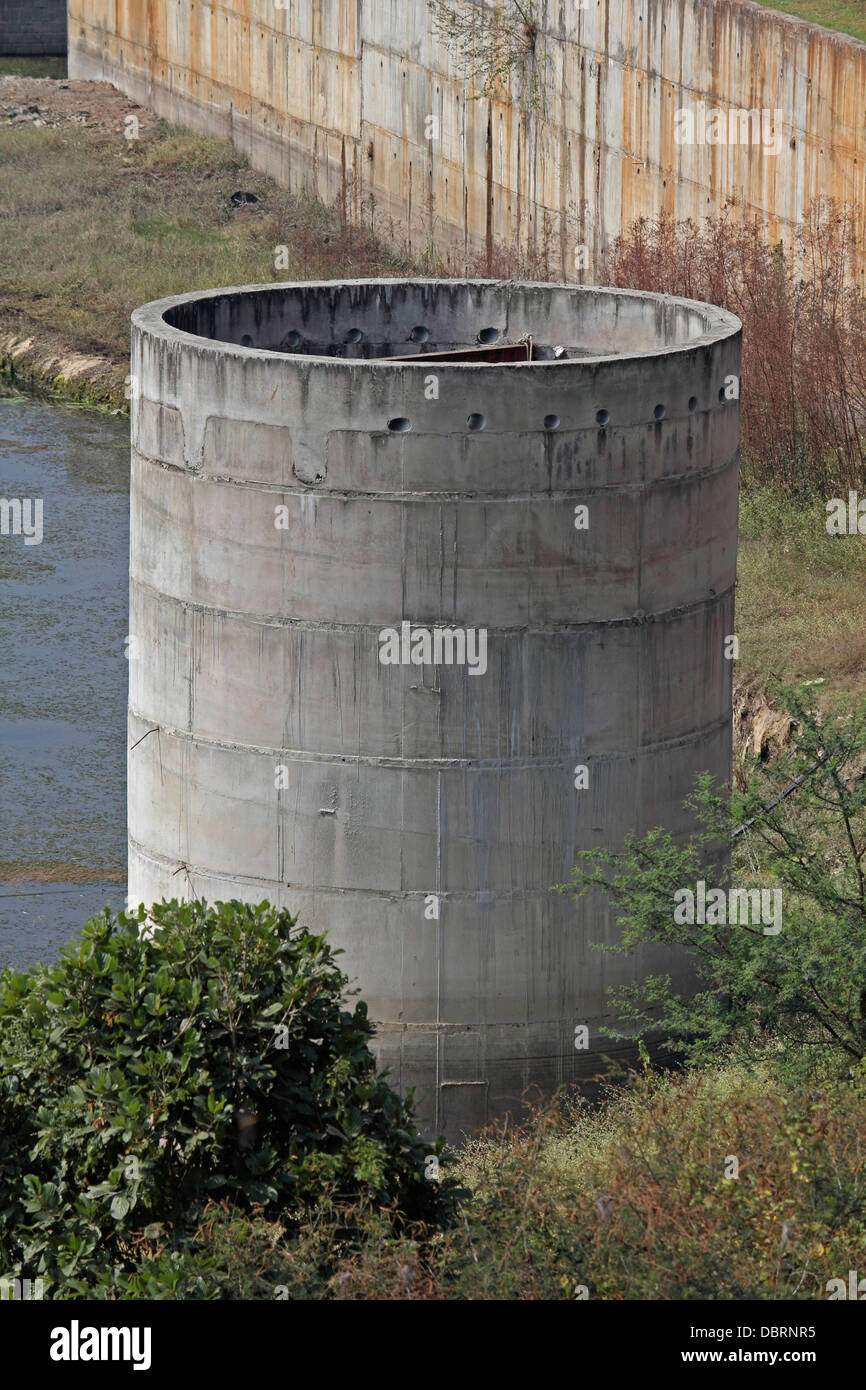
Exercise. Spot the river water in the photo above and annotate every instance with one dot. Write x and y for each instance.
(63, 675)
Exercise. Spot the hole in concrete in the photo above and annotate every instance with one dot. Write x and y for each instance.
(476, 422)
(246, 341)
(293, 339)
(551, 422)
(488, 335)
(399, 424)
(602, 417)
(722, 395)
(693, 404)
(420, 334)
(659, 412)
(354, 335)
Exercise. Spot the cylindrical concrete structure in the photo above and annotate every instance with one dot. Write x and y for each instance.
(408, 635)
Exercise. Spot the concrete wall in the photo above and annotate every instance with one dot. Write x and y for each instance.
(409, 787)
(336, 96)
(32, 27)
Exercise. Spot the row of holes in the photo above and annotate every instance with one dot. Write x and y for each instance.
(475, 421)
(399, 425)
(354, 335)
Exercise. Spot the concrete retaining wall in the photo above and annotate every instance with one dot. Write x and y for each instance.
(32, 27)
(424, 811)
(340, 96)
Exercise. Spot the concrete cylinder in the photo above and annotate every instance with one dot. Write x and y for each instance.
(409, 634)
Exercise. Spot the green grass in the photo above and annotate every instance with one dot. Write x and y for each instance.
(93, 225)
(801, 594)
(32, 67)
(848, 16)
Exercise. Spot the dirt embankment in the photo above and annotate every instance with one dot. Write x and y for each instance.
(43, 363)
(52, 102)
(34, 357)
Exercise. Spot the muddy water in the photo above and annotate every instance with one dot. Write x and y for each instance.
(63, 674)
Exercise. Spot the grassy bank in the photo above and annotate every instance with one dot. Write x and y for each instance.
(848, 16)
(636, 1200)
(133, 1063)
(93, 224)
(40, 66)
(801, 595)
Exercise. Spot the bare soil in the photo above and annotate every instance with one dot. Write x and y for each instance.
(49, 102)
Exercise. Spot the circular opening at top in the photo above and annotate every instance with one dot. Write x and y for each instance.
(476, 323)
(693, 404)
(476, 422)
(659, 412)
(399, 425)
(551, 422)
(602, 417)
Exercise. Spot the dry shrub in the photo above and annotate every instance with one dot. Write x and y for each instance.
(631, 1201)
(804, 333)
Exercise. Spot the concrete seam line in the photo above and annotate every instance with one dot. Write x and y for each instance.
(476, 498)
(380, 894)
(551, 762)
(311, 625)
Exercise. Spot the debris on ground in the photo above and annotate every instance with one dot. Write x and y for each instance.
(51, 102)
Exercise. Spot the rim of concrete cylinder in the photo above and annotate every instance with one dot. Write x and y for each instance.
(720, 324)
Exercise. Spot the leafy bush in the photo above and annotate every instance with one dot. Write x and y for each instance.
(208, 1058)
(799, 829)
(637, 1198)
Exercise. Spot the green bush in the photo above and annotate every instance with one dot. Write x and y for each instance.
(208, 1059)
(793, 990)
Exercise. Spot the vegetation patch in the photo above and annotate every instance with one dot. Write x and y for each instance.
(845, 15)
(94, 224)
(194, 1057)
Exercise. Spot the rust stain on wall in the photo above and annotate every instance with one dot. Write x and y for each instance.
(336, 98)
